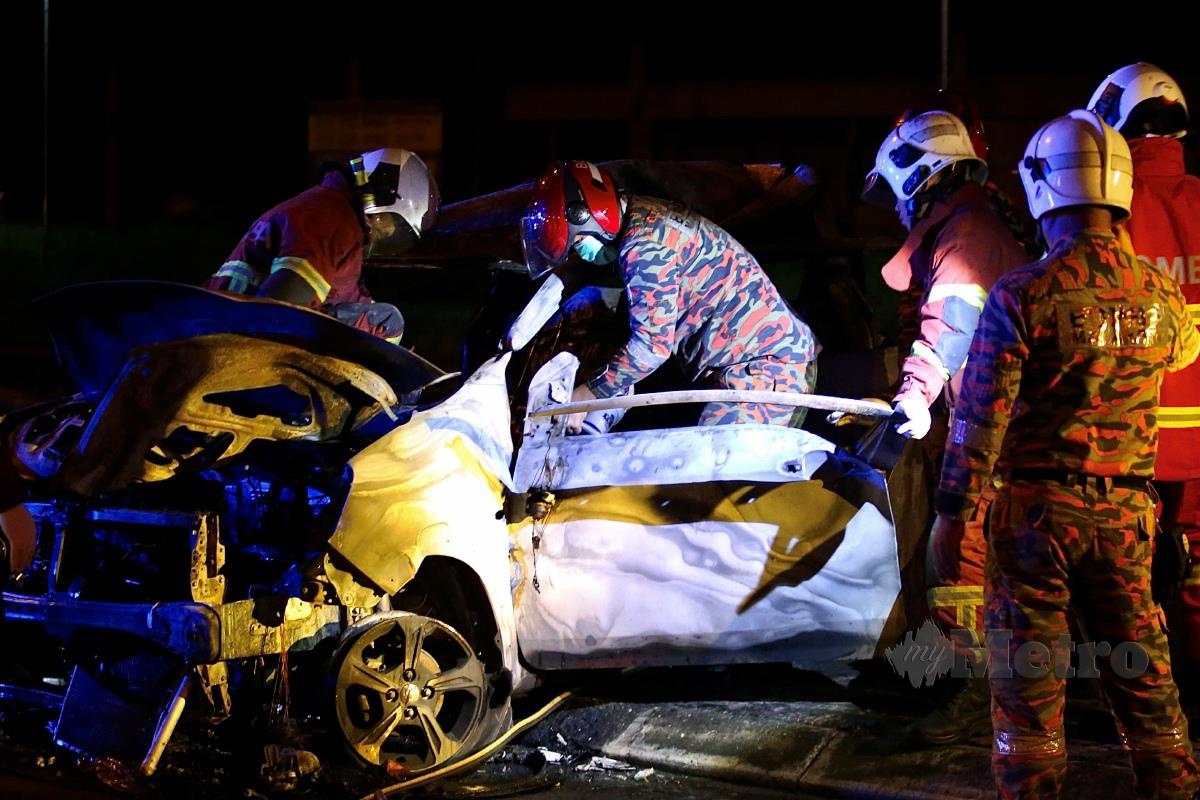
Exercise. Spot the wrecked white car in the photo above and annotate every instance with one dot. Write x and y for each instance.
(699, 545)
(251, 509)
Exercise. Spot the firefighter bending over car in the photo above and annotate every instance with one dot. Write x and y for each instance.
(309, 250)
(692, 291)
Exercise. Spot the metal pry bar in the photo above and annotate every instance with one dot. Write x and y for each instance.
(846, 405)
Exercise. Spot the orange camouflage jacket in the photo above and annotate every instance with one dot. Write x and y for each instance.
(1065, 369)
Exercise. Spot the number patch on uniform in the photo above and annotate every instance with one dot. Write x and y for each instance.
(1110, 326)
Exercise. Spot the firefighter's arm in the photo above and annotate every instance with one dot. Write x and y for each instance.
(985, 406)
(949, 314)
(288, 286)
(309, 255)
(651, 272)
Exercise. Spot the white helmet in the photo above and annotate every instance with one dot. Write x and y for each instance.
(400, 198)
(1141, 100)
(911, 156)
(1077, 160)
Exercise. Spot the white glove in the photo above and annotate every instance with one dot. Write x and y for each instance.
(598, 422)
(918, 417)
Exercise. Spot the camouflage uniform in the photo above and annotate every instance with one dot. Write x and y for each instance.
(1065, 370)
(695, 292)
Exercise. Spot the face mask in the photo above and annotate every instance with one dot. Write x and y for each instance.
(592, 250)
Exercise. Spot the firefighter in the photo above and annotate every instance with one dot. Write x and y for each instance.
(1145, 105)
(1062, 386)
(309, 250)
(957, 247)
(961, 106)
(692, 291)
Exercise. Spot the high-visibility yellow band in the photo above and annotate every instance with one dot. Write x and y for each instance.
(1193, 310)
(956, 594)
(1179, 417)
(306, 271)
(971, 293)
(242, 277)
(963, 599)
(923, 352)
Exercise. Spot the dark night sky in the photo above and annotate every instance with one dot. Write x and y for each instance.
(211, 99)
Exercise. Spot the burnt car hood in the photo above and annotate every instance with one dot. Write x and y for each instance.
(94, 326)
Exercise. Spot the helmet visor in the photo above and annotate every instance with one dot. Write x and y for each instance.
(390, 235)
(877, 192)
(543, 238)
(384, 183)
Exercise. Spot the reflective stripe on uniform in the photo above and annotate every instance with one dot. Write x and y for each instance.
(922, 351)
(1193, 310)
(242, 277)
(1035, 744)
(963, 599)
(1179, 417)
(1157, 743)
(971, 293)
(306, 271)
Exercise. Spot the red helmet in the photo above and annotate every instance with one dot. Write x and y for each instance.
(960, 106)
(573, 198)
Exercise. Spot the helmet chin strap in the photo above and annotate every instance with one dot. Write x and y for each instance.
(940, 186)
(913, 210)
